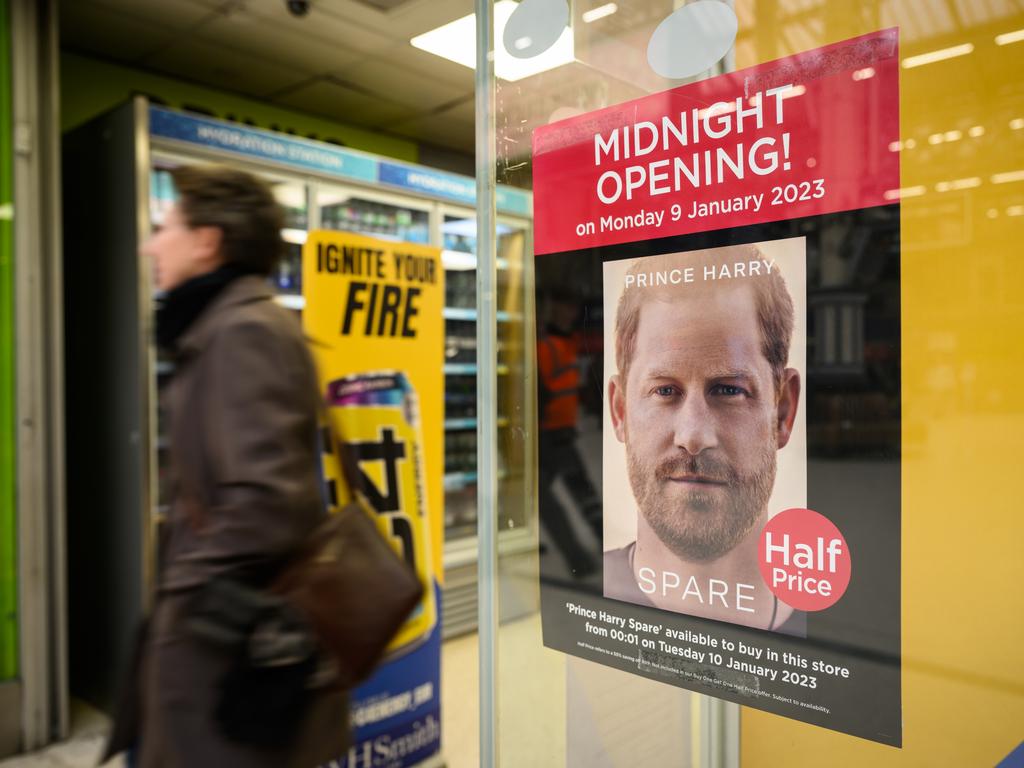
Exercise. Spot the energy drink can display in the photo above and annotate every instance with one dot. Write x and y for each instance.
(375, 419)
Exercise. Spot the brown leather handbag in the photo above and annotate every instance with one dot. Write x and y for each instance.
(353, 589)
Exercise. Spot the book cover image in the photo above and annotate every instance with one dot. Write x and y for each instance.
(704, 433)
(718, 296)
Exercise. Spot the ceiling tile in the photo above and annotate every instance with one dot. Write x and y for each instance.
(455, 137)
(257, 48)
(223, 67)
(344, 104)
(410, 18)
(258, 38)
(465, 109)
(91, 28)
(444, 129)
(415, 17)
(172, 14)
(321, 25)
(403, 85)
(434, 66)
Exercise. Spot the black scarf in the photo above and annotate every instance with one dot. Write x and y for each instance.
(183, 304)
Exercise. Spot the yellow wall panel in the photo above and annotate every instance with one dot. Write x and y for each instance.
(963, 361)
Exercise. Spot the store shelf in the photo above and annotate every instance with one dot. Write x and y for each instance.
(468, 369)
(460, 260)
(452, 425)
(456, 481)
(462, 552)
(466, 313)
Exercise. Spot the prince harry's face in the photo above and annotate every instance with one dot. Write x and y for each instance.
(701, 419)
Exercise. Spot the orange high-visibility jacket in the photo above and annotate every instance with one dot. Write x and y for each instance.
(559, 372)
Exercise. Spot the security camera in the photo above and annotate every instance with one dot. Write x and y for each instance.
(297, 7)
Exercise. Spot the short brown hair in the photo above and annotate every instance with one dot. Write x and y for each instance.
(773, 302)
(241, 206)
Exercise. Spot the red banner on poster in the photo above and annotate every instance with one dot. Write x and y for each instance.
(750, 147)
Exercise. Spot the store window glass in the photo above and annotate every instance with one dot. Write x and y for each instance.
(348, 211)
(292, 197)
(459, 257)
(858, 167)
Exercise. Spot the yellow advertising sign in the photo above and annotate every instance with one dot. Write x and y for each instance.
(374, 320)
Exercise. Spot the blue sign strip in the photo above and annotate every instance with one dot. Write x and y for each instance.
(514, 201)
(325, 158)
(461, 189)
(299, 153)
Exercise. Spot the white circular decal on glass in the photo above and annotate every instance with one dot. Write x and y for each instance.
(692, 39)
(534, 26)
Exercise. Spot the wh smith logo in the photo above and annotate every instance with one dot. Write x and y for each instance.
(395, 750)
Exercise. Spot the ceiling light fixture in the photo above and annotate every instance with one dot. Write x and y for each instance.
(600, 12)
(1010, 37)
(456, 41)
(719, 108)
(1007, 177)
(940, 55)
(790, 93)
(947, 186)
(897, 194)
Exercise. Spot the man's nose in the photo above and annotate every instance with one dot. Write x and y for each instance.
(695, 428)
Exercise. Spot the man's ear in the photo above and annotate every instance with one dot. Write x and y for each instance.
(208, 241)
(788, 401)
(617, 406)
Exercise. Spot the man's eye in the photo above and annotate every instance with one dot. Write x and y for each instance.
(728, 390)
(665, 391)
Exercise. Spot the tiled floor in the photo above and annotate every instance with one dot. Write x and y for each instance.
(82, 750)
(616, 717)
(459, 713)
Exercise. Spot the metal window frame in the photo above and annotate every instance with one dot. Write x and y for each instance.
(39, 372)
(486, 383)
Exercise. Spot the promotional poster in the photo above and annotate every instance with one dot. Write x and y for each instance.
(373, 314)
(718, 298)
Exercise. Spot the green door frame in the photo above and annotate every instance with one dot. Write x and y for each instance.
(8, 507)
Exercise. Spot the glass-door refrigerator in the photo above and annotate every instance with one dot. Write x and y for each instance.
(117, 188)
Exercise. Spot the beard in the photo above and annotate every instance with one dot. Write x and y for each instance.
(701, 526)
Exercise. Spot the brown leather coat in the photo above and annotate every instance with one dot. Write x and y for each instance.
(243, 412)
